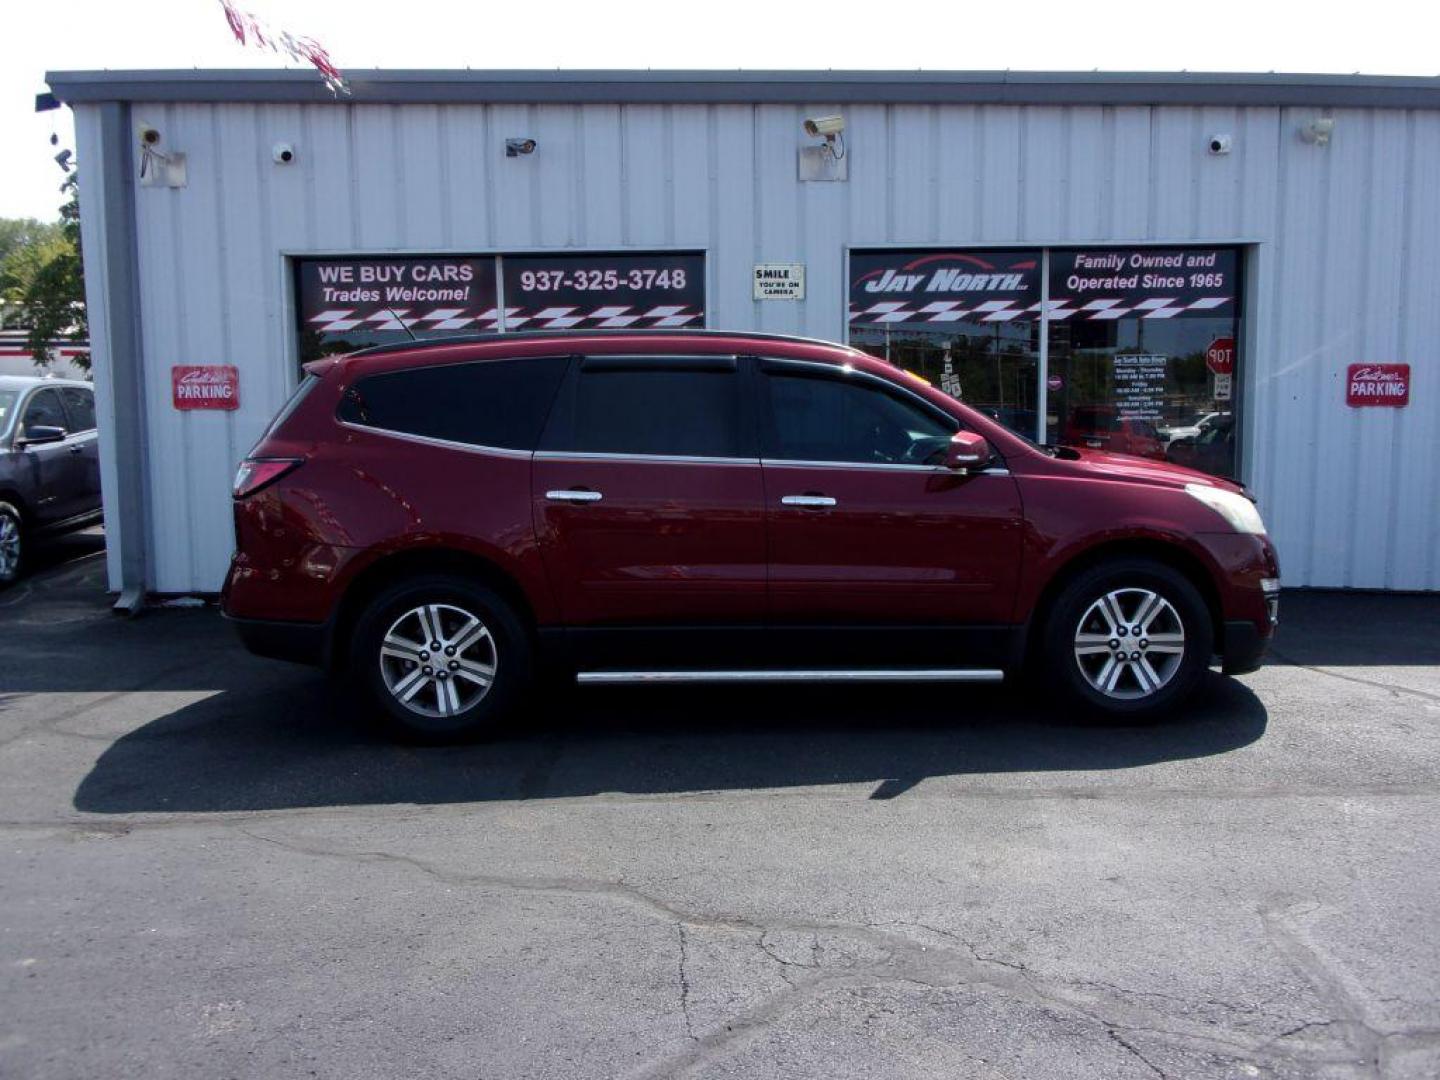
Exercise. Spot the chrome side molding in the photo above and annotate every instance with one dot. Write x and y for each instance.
(849, 675)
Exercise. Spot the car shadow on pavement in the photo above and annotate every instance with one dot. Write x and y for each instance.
(292, 746)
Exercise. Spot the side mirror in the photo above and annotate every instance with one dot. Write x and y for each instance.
(967, 451)
(35, 434)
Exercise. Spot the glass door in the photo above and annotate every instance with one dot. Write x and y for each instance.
(1142, 352)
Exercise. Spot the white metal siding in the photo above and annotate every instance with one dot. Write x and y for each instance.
(1345, 259)
(97, 292)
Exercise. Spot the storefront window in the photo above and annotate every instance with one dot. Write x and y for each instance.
(965, 321)
(1142, 349)
(344, 304)
(1141, 342)
(347, 304)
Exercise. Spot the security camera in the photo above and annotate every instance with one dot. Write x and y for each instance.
(1219, 144)
(828, 126)
(149, 136)
(283, 153)
(1318, 131)
(516, 147)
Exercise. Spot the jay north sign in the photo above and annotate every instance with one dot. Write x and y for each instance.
(943, 286)
(938, 287)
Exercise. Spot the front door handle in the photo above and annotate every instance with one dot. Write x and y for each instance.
(574, 496)
(807, 500)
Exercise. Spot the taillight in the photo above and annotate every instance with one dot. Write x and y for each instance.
(256, 473)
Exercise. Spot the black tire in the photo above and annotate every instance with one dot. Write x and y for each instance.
(509, 651)
(12, 535)
(1065, 672)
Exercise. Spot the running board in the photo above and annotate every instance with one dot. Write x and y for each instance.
(902, 675)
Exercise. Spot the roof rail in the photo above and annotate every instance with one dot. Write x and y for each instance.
(542, 335)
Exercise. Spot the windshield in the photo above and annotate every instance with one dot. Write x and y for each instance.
(7, 408)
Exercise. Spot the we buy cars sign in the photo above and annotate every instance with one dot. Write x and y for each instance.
(1220, 356)
(1377, 384)
(205, 386)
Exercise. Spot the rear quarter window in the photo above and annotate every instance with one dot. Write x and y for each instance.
(500, 403)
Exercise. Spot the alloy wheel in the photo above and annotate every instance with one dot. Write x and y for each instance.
(438, 660)
(1130, 643)
(9, 547)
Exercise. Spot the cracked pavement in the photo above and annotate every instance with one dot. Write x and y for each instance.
(207, 871)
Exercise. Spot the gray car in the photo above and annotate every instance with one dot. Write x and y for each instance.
(49, 463)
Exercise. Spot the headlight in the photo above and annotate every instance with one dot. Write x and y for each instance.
(1239, 511)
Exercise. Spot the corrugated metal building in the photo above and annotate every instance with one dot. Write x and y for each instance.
(1317, 192)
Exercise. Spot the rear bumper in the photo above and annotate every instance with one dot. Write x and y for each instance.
(301, 643)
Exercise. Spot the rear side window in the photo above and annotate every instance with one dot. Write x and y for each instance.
(80, 405)
(674, 408)
(501, 403)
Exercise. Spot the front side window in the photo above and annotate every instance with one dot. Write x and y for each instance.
(500, 403)
(670, 408)
(814, 418)
(45, 410)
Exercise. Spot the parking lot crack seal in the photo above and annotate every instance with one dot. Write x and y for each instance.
(1332, 986)
(685, 984)
(896, 959)
(1372, 683)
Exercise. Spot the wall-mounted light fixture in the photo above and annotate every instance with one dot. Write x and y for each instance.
(516, 147)
(158, 168)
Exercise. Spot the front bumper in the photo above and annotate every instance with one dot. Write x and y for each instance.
(1244, 647)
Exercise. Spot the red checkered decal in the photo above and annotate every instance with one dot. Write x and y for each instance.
(613, 316)
(609, 317)
(943, 311)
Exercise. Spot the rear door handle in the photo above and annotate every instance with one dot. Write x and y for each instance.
(807, 500)
(574, 496)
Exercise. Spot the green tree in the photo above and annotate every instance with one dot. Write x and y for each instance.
(23, 232)
(42, 283)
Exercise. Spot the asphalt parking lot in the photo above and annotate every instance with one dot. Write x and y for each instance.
(206, 871)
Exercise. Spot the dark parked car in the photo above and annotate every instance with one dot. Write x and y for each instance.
(49, 463)
(439, 523)
(1211, 451)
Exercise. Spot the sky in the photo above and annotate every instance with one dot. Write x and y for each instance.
(1379, 37)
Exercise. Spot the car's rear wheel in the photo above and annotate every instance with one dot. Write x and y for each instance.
(440, 658)
(1127, 639)
(12, 544)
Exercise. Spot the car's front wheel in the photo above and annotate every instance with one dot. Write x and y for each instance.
(12, 544)
(1128, 638)
(440, 658)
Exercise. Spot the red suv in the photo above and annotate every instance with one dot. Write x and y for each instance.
(441, 522)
